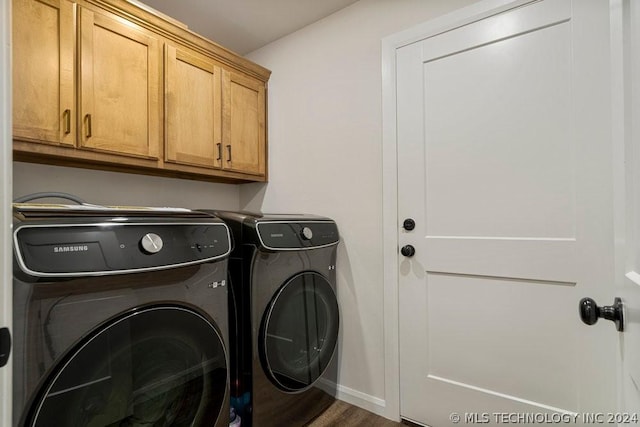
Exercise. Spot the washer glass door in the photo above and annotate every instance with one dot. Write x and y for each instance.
(299, 332)
(159, 366)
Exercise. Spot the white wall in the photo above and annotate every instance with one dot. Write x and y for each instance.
(112, 188)
(325, 157)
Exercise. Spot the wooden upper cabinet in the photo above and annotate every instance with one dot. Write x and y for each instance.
(119, 86)
(243, 128)
(108, 84)
(193, 109)
(43, 71)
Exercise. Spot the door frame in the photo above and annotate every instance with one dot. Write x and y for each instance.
(390, 221)
(625, 90)
(6, 188)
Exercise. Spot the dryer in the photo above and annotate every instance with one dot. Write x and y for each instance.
(283, 283)
(120, 317)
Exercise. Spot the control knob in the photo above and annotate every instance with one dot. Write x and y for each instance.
(151, 243)
(306, 233)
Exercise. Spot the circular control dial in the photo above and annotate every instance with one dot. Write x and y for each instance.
(151, 243)
(306, 233)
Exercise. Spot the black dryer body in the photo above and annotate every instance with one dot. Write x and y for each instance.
(286, 319)
(120, 318)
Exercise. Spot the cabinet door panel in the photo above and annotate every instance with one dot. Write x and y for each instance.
(193, 109)
(119, 87)
(244, 124)
(43, 71)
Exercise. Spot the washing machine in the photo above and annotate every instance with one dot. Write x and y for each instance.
(283, 288)
(120, 317)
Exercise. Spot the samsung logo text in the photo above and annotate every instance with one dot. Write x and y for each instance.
(78, 248)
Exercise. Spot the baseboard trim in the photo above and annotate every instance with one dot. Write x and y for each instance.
(354, 397)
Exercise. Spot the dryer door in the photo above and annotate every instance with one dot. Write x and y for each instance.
(160, 366)
(299, 332)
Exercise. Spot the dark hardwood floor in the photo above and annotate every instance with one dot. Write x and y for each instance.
(342, 414)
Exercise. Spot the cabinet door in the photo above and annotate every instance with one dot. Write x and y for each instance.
(244, 124)
(43, 71)
(193, 109)
(119, 86)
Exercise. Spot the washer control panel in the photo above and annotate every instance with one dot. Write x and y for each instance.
(111, 248)
(285, 235)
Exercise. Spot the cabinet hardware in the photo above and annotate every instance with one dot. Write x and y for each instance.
(229, 150)
(67, 121)
(87, 119)
(219, 151)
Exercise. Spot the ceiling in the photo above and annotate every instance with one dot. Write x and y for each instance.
(246, 25)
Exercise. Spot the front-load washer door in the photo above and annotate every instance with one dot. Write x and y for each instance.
(156, 366)
(299, 332)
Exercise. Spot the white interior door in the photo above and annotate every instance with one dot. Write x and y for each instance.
(505, 164)
(6, 280)
(626, 115)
